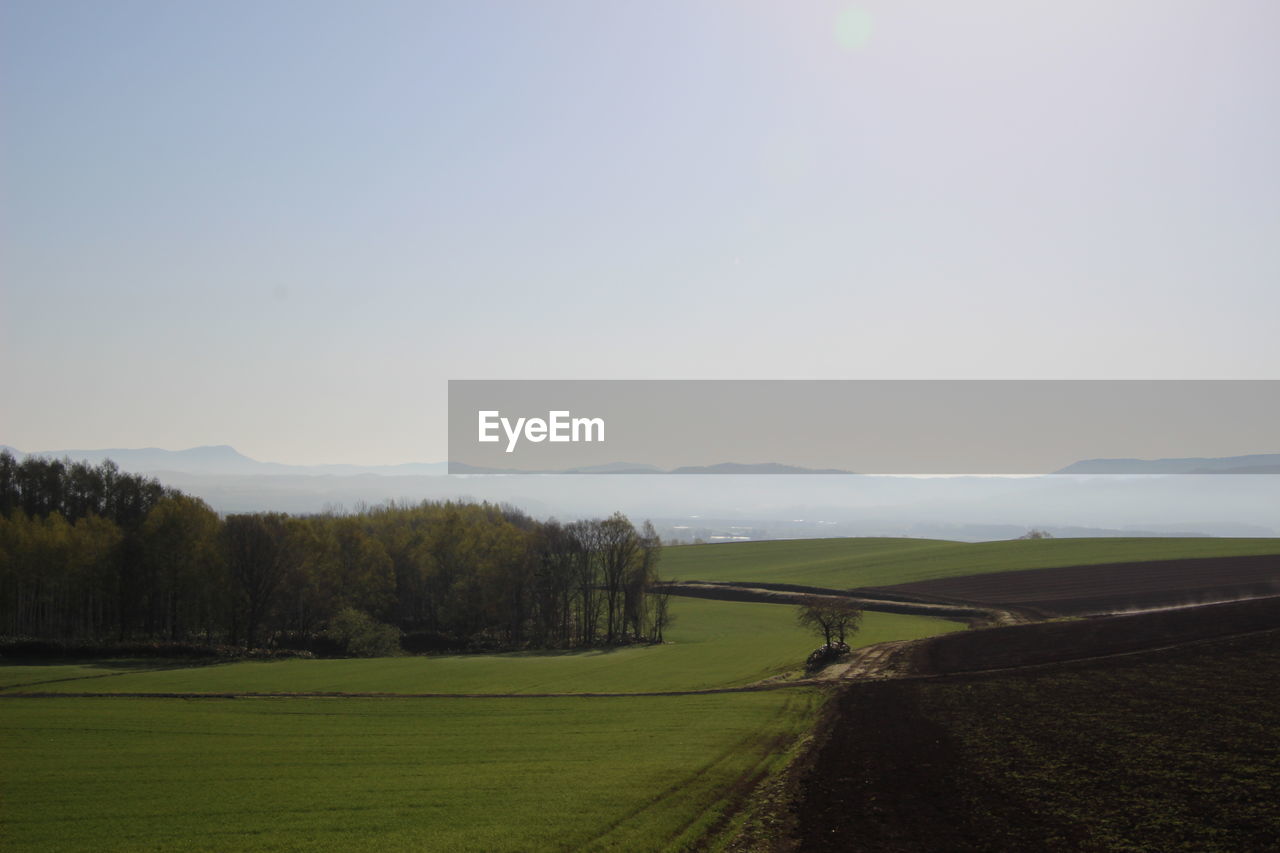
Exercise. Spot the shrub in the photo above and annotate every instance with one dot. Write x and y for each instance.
(426, 642)
(824, 655)
(360, 635)
(318, 644)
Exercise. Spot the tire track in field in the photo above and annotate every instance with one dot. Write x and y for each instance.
(758, 743)
(746, 688)
(886, 661)
(97, 675)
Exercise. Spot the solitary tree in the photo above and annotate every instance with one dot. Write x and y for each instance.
(815, 616)
(848, 618)
(830, 617)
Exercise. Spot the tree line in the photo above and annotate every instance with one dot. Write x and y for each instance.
(93, 553)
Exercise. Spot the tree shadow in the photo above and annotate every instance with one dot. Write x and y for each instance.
(542, 653)
(116, 664)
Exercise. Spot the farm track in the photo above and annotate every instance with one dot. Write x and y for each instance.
(890, 602)
(889, 661)
(881, 661)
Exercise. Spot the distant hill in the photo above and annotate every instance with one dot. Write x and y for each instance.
(220, 459)
(225, 460)
(637, 468)
(617, 468)
(608, 468)
(759, 507)
(1257, 463)
(757, 468)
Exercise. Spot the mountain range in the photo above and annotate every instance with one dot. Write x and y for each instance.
(787, 503)
(222, 459)
(1256, 463)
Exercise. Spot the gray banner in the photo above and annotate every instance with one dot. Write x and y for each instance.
(866, 427)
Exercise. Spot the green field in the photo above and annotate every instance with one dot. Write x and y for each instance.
(711, 644)
(388, 774)
(483, 774)
(15, 675)
(856, 562)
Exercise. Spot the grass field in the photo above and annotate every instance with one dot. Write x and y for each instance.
(712, 644)
(483, 774)
(12, 675)
(856, 562)
(632, 773)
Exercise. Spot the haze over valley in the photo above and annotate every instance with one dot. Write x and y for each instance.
(748, 507)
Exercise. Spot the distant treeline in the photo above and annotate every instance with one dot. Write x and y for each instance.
(91, 553)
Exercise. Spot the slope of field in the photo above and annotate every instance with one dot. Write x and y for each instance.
(864, 562)
(1172, 750)
(762, 591)
(638, 773)
(711, 644)
(1039, 643)
(1111, 586)
(14, 674)
(519, 773)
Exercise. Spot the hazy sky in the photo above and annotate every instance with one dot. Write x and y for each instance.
(284, 225)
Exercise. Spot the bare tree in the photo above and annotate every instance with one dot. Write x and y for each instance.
(847, 617)
(661, 613)
(816, 616)
(619, 547)
(586, 578)
(641, 575)
(830, 616)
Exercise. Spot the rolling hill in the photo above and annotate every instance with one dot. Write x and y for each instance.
(872, 561)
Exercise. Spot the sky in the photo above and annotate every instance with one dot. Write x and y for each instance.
(285, 226)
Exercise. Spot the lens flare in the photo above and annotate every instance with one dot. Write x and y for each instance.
(853, 27)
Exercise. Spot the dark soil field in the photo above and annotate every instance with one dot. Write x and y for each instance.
(1091, 637)
(1074, 590)
(783, 593)
(1176, 749)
